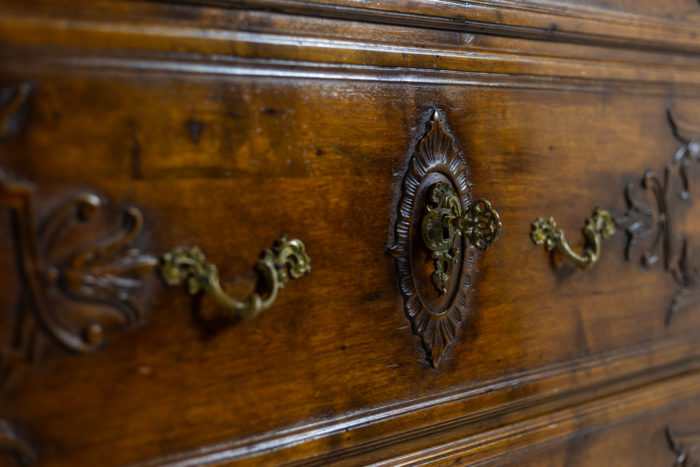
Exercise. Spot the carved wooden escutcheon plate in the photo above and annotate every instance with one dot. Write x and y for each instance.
(435, 281)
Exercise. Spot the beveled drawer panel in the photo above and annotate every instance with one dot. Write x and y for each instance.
(214, 153)
(335, 186)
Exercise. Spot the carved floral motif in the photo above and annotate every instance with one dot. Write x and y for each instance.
(13, 444)
(649, 225)
(13, 108)
(686, 446)
(55, 258)
(104, 271)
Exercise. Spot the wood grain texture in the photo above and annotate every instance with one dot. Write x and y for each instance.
(451, 416)
(510, 163)
(235, 40)
(651, 25)
(503, 443)
(620, 442)
(227, 127)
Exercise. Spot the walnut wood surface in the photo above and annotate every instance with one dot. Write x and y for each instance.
(228, 127)
(641, 24)
(670, 438)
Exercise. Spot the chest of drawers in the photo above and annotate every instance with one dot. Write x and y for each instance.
(397, 163)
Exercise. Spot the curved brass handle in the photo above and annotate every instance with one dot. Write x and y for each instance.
(445, 219)
(597, 228)
(287, 258)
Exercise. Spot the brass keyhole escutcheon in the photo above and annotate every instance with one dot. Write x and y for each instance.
(445, 220)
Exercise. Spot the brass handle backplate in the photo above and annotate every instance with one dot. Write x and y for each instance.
(597, 228)
(286, 259)
(445, 219)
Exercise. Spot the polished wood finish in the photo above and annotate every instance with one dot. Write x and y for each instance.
(229, 123)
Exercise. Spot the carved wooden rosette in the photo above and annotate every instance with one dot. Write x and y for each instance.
(649, 224)
(436, 317)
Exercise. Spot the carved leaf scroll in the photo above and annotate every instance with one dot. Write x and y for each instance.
(686, 446)
(105, 271)
(648, 218)
(14, 445)
(14, 101)
(55, 258)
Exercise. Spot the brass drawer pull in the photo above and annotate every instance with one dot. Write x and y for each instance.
(597, 228)
(287, 258)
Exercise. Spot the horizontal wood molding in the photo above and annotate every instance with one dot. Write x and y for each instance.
(245, 43)
(513, 18)
(506, 442)
(491, 413)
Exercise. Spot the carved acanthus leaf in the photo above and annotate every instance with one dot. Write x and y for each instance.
(13, 444)
(13, 108)
(648, 219)
(107, 272)
(686, 446)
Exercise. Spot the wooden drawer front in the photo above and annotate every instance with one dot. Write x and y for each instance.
(669, 434)
(215, 153)
(302, 159)
(655, 425)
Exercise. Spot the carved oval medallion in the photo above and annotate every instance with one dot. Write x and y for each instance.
(435, 219)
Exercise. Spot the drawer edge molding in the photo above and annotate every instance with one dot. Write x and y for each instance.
(436, 309)
(462, 411)
(533, 20)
